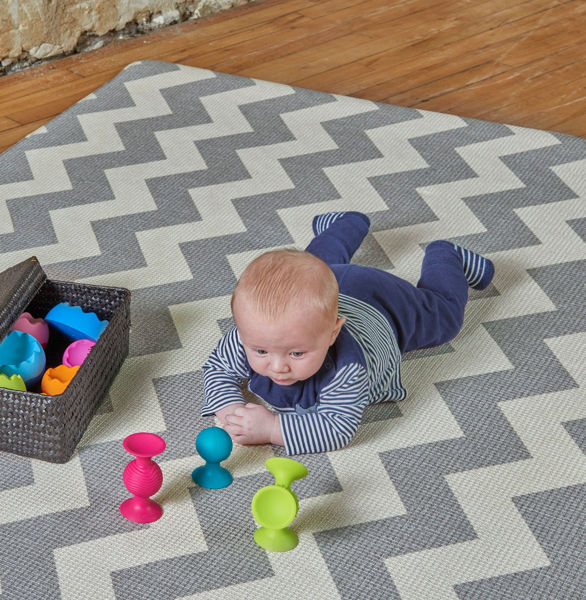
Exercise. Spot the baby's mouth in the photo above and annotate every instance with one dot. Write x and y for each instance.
(283, 381)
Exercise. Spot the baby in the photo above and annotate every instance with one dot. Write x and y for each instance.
(319, 339)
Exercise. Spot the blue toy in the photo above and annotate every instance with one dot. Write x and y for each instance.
(22, 354)
(76, 324)
(214, 445)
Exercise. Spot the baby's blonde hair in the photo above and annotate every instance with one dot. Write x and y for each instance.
(279, 279)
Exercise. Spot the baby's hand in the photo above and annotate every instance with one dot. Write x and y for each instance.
(224, 412)
(250, 424)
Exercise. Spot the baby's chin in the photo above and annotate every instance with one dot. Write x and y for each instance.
(284, 382)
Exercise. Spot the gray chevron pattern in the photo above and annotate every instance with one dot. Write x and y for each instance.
(167, 181)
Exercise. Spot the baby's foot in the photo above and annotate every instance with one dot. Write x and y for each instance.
(325, 221)
(478, 270)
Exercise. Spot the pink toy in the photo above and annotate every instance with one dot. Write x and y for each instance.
(77, 352)
(38, 328)
(142, 477)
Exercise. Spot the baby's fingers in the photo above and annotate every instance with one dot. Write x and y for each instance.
(233, 429)
(240, 411)
(233, 419)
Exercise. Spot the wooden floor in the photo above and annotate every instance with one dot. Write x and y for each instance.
(521, 62)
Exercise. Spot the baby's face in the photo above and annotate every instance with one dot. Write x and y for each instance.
(289, 349)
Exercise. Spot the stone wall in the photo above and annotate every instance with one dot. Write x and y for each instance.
(32, 30)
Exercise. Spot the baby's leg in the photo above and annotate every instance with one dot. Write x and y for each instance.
(425, 315)
(446, 272)
(478, 270)
(445, 264)
(338, 235)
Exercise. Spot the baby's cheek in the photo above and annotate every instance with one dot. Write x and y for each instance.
(257, 364)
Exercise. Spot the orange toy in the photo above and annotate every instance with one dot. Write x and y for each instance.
(56, 380)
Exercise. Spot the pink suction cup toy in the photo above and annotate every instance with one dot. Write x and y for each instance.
(142, 477)
(77, 352)
(38, 328)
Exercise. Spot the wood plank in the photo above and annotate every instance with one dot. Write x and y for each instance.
(33, 80)
(434, 80)
(6, 123)
(563, 81)
(34, 106)
(515, 61)
(13, 135)
(416, 62)
(294, 44)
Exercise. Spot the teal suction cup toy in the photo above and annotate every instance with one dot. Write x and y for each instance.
(214, 445)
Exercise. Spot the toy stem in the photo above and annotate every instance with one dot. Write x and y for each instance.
(285, 470)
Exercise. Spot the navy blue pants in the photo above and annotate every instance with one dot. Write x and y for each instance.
(421, 316)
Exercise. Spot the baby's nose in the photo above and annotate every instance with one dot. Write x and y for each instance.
(279, 364)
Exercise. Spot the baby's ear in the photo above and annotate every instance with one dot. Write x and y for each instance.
(340, 321)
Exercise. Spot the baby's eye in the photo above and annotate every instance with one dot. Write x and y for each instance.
(260, 352)
(297, 354)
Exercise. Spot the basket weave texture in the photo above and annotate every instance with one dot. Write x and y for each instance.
(50, 427)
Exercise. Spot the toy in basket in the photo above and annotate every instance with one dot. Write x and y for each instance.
(21, 354)
(49, 427)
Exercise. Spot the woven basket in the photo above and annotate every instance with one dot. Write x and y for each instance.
(49, 427)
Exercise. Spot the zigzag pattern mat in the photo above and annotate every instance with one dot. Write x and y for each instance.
(168, 180)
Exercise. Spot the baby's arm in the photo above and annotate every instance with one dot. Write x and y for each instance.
(336, 418)
(330, 426)
(223, 375)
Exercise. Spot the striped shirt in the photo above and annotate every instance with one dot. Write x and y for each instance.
(323, 412)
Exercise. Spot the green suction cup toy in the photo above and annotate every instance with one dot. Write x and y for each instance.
(275, 506)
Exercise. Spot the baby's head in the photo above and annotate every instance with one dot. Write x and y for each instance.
(282, 279)
(285, 306)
